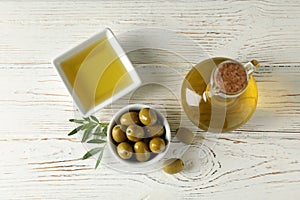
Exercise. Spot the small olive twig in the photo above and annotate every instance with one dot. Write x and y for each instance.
(91, 127)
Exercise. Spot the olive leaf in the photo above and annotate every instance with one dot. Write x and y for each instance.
(104, 130)
(78, 121)
(91, 126)
(87, 133)
(91, 152)
(99, 158)
(100, 131)
(75, 130)
(86, 126)
(97, 131)
(95, 119)
(96, 141)
(86, 118)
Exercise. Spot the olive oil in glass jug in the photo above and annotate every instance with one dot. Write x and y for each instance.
(220, 94)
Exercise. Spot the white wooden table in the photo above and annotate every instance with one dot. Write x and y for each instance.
(260, 160)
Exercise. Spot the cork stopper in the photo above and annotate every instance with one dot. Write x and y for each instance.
(231, 77)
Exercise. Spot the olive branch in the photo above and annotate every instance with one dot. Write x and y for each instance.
(93, 132)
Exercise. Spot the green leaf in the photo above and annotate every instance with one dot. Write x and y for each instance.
(86, 126)
(87, 133)
(75, 130)
(78, 121)
(98, 129)
(94, 118)
(91, 152)
(104, 130)
(96, 141)
(98, 132)
(99, 158)
(86, 118)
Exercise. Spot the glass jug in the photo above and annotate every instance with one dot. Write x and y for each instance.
(220, 94)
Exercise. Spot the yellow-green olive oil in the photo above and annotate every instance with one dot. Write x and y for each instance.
(216, 114)
(96, 73)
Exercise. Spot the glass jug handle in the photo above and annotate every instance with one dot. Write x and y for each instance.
(251, 66)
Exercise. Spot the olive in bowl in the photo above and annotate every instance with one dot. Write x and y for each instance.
(138, 135)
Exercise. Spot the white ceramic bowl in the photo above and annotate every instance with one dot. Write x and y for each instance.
(113, 148)
(109, 36)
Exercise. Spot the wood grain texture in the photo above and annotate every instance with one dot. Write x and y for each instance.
(36, 31)
(258, 161)
(259, 166)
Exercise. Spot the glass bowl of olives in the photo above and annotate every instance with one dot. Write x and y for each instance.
(138, 135)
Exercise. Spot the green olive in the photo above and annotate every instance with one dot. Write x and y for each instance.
(124, 150)
(118, 133)
(173, 166)
(185, 135)
(154, 130)
(148, 116)
(129, 118)
(135, 133)
(157, 145)
(142, 152)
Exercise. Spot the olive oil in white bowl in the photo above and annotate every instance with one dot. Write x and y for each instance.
(97, 72)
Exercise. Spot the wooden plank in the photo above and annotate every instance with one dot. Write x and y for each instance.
(258, 161)
(265, 30)
(231, 166)
(36, 102)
